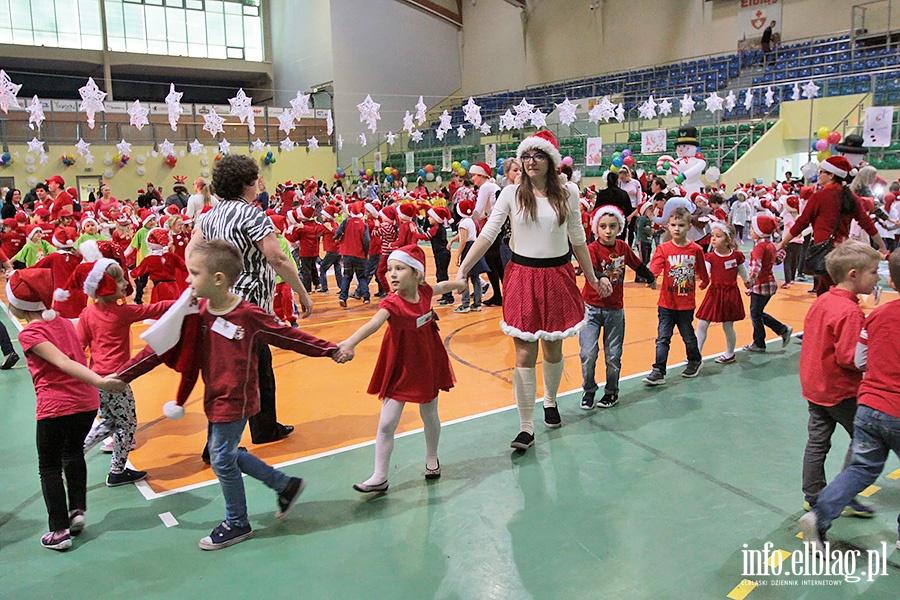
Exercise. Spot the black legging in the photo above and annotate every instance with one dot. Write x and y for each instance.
(495, 275)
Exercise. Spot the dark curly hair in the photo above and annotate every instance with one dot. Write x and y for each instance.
(233, 173)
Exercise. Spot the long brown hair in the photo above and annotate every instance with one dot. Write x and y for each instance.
(556, 195)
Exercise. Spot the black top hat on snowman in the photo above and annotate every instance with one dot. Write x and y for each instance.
(687, 135)
(852, 144)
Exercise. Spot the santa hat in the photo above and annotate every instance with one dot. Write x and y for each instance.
(145, 215)
(41, 212)
(543, 141)
(64, 238)
(411, 255)
(720, 225)
(279, 222)
(793, 201)
(482, 169)
(608, 209)
(87, 220)
(123, 219)
(72, 192)
(97, 282)
(373, 208)
(289, 185)
(389, 213)
(64, 213)
(356, 209)
(11, 223)
(171, 210)
(31, 229)
(21, 217)
(585, 203)
(408, 211)
(158, 238)
(32, 290)
(698, 196)
(330, 212)
(764, 225)
(836, 165)
(440, 214)
(306, 212)
(741, 194)
(465, 208)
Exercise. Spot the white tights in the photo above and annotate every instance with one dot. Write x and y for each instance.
(730, 336)
(391, 410)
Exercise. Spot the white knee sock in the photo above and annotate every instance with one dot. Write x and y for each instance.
(702, 328)
(553, 373)
(730, 338)
(391, 410)
(525, 387)
(432, 423)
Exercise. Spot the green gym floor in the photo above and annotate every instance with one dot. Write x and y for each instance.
(655, 498)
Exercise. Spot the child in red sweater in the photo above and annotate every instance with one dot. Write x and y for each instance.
(306, 233)
(353, 235)
(764, 286)
(681, 262)
(164, 268)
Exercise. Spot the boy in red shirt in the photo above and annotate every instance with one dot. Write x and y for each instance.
(353, 235)
(306, 231)
(228, 332)
(829, 377)
(680, 261)
(763, 284)
(609, 256)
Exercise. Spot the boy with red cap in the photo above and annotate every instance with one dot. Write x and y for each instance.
(763, 284)
(353, 235)
(138, 243)
(61, 200)
(12, 238)
(306, 233)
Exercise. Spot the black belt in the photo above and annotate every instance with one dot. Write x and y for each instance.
(527, 261)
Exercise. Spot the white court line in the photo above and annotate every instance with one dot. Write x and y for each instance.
(149, 494)
(168, 519)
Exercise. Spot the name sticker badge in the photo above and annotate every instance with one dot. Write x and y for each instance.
(731, 264)
(426, 318)
(225, 328)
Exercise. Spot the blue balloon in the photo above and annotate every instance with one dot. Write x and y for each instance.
(421, 172)
(500, 170)
(464, 164)
(500, 161)
(6, 157)
(389, 179)
(618, 162)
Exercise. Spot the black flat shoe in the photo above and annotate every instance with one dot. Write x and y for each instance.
(9, 361)
(365, 488)
(433, 473)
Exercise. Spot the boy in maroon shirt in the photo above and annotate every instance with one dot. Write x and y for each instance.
(228, 329)
(680, 261)
(829, 378)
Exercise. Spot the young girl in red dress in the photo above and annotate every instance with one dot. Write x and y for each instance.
(121, 237)
(166, 269)
(412, 366)
(723, 302)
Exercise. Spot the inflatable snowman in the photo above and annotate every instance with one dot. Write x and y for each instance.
(689, 163)
(852, 149)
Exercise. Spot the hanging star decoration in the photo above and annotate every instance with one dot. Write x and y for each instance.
(810, 90)
(524, 109)
(665, 108)
(241, 108)
(287, 144)
(445, 121)
(538, 119)
(795, 94)
(8, 92)
(730, 101)
(300, 106)
(620, 113)
(594, 113)
(123, 148)
(329, 122)
(166, 147)
(44, 158)
(340, 141)
(507, 121)
(461, 131)
(35, 113)
(362, 139)
(646, 110)
(82, 147)
(224, 146)
(602, 110)
(472, 113)
(420, 111)
(440, 133)
(368, 113)
(195, 147)
(408, 122)
(770, 97)
(286, 121)
(137, 115)
(312, 144)
(91, 100)
(567, 111)
(88, 159)
(173, 106)
(416, 136)
(36, 146)
(257, 145)
(748, 99)
(714, 103)
(212, 122)
(687, 105)
(485, 128)
(391, 138)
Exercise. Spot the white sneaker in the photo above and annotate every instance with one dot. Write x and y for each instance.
(786, 336)
(809, 523)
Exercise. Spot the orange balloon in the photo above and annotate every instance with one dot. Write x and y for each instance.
(429, 168)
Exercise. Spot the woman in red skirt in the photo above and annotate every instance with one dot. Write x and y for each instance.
(542, 301)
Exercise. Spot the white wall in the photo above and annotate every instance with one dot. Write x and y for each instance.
(301, 46)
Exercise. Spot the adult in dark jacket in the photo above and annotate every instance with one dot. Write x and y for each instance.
(615, 196)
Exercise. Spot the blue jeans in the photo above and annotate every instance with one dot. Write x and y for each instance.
(228, 463)
(761, 320)
(875, 435)
(475, 295)
(612, 321)
(354, 266)
(668, 320)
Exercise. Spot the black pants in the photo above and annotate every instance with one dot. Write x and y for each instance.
(264, 425)
(308, 273)
(441, 271)
(495, 275)
(791, 261)
(139, 284)
(60, 447)
(6, 346)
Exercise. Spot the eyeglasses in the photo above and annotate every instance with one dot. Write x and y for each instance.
(538, 157)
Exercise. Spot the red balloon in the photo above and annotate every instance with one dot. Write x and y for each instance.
(395, 173)
(834, 137)
(628, 161)
(337, 175)
(429, 168)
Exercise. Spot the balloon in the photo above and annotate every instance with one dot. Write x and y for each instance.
(388, 170)
(821, 145)
(679, 179)
(464, 164)
(370, 172)
(171, 160)
(626, 152)
(823, 132)
(455, 165)
(337, 175)
(617, 155)
(429, 176)
(269, 154)
(395, 173)
(813, 145)
(629, 161)
(389, 179)
(362, 172)
(500, 161)
(429, 168)
(823, 155)
(421, 173)
(618, 161)
(614, 169)
(568, 161)
(438, 180)
(500, 170)
(834, 137)
(272, 160)
(461, 171)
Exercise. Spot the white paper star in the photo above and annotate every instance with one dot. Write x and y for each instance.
(523, 109)
(461, 132)
(538, 119)
(166, 147)
(646, 110)
(137, 115)
(329, 122)
(362, 139)
(257, 145)
(312, 144)
(241, 108)
(8, 92)
(36, 146)
(88, 159)
(445, 121)
(748, 99)
(472, 112)
(507, 121)
(567, 111)
(620, 113)
(212, 122)
(35, 113)
(770, 97)
(195, 147)
(91, 100)
(485, 128)
(440, 133)
(408, 122)
(300, 106)
(82, 147)
(795, 94)
(391, 138)
(287, 144)
(173, 106)
(44, 158)
(810, 90)
(730, 101)
(340, 141)
(286, 121)
(687, 105)
(368, 112)
(714, 103)
(665, 107)
(123, 147)
(224, 146)
(420, 111)
(416, 136)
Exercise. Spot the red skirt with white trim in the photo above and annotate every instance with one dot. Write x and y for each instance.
(541, 302)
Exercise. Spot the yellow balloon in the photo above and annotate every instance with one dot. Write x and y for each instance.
(388, 170)
(614, 168)
(455, 165)
(823, 155)
(823, 133)
(461, 171)
(369, 172)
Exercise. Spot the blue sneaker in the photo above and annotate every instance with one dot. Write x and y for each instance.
(858, 509)
(226, 535)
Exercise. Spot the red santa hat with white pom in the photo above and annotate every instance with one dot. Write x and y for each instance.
(32, 290)
(411, 255)
(607, 209)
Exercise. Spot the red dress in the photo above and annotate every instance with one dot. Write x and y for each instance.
(412, 365)
(723, 302)
(166, 273)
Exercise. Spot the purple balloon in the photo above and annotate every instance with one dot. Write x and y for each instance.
(362, 172)
(821, 145)
(626, 152)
